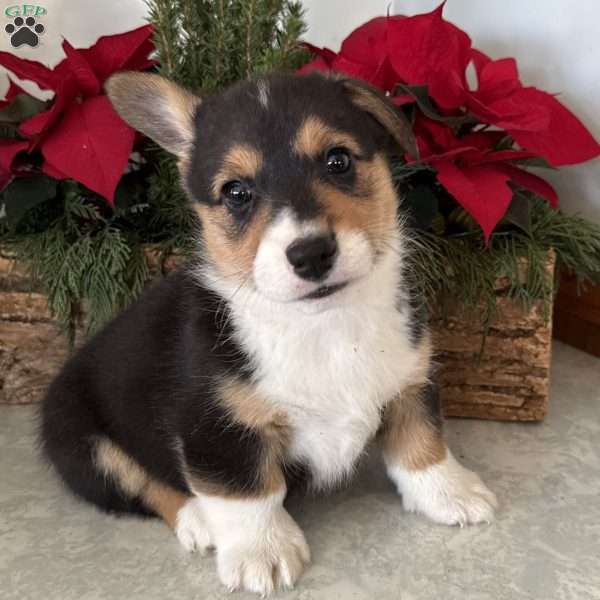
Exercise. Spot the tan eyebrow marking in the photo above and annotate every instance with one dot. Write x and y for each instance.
(240, 161)
(314, 137)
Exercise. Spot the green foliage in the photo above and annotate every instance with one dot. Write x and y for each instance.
(458, 265)
(83, 260)
(208, 44)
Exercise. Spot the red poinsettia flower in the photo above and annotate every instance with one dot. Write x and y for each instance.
(427, 50)
(81, 136)
(535, 119)
(475, 174)
(363, 55)
(423, 59)
(419, 50)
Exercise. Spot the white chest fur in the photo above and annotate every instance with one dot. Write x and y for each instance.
(330, 371)
(333, 379)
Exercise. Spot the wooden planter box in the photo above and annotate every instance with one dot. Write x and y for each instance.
(508, 381)
(577, 315)
(32, 348)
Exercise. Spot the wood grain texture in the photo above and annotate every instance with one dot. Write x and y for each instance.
(507, 379)
(32, 349)
(577, 315)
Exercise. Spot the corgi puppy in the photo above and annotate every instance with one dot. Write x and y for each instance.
(290, 343)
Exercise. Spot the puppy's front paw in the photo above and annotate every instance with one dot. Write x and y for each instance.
(190, 528)
(273, 559)
(446, 493)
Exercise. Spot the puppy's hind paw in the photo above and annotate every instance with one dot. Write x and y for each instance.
(190, 528)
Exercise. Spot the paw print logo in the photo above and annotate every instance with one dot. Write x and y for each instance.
(24, 31)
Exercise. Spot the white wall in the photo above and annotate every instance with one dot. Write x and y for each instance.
(556, 43)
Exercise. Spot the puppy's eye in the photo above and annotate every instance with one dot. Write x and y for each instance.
(236, 195)
(338, 161)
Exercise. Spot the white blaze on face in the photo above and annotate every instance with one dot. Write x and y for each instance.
(274, 276)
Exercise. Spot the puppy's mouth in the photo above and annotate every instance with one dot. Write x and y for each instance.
(324, 291)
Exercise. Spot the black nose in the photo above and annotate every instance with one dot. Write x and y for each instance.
(312, 257)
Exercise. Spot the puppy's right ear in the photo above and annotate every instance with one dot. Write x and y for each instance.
(157, 107)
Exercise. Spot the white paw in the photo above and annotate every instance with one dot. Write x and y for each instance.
(446, 493)
(190, 528)
(273, 559)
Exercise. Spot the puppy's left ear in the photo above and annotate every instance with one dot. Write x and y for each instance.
(372, 101)
(157, 107)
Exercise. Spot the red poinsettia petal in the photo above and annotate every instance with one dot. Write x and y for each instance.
(532, 182)
(482, 191)
(500, 156)
(498, 78)
(13, 91)
(427, 156)
(441, 137)
(564, 141)
(82, 71)
(325, 54)
(427, 50)
(479, 60)
(28, 70)
(368, 42)
(8, 150)
(317, 64)
(114, 52)
(511, 111)
(403, 99)
(42, 122)
(92, 145)
(354, 69)
(38, 123)
(364, 54)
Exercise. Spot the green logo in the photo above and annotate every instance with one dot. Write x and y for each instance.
(25, 10)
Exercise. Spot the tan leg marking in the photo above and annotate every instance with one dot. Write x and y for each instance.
(410, 438)
(135, 481)
(246, 407)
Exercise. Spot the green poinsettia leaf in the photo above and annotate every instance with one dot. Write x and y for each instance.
(21, 108)
(423, 205)
(535, 161)
(519, 210)
(22, 194)
(506, 143)
(9, 131)
(421, 96)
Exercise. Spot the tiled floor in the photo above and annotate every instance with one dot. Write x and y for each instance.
(545, 543)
